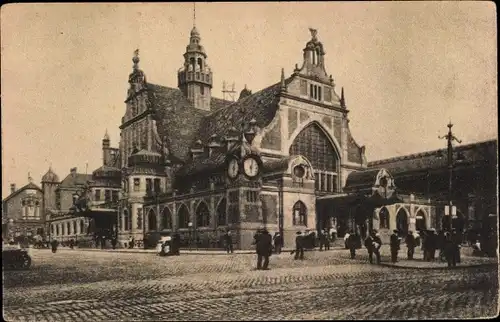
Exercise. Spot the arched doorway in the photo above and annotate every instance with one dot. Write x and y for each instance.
(166, 219)
(183, 216)
(402, 222)
(383, 216)
(221, 213)
(202, 215)
(420, 220)
(152, 220)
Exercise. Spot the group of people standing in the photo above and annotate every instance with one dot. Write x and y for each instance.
(447, 242)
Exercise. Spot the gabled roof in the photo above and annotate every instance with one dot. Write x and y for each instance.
(30, 185)
(76, 181)
(261, 106)
(359, 180)
(177, 119)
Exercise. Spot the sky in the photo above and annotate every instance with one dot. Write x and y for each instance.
(407, 69)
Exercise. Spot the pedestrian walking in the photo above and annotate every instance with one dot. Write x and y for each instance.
(352, 243)
(114, 241)
(278, 242)
(54, 245)
(264, 247)
(299, 246)
(228, 242)
(457, 242)
(410, 244)
(373, 244)
(327, 239)
(450, 250)
(394, 245)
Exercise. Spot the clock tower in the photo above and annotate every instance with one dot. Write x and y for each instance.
(243, 186)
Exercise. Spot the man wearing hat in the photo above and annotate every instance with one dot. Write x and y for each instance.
(395, 243)
(299, 246)
(264, 248)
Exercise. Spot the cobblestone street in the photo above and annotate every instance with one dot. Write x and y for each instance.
(102, 286)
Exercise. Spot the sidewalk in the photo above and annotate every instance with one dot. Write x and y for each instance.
(466, 261)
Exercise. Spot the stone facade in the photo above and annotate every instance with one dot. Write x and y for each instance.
(184, 139)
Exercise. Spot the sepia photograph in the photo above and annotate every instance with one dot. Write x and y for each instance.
(231, 161)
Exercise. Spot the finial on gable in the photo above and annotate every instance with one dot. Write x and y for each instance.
(283, 84)
(136, 59)
(314, 33)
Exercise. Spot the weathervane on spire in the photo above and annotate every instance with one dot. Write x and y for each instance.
(314, 32)
(136, 58)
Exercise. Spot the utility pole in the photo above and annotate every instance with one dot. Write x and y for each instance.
(450, 138)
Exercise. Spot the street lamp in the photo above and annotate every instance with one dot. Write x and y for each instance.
(450, 138)
(190, 227)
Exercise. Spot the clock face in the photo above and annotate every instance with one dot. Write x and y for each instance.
(251, 167)
(233, 169)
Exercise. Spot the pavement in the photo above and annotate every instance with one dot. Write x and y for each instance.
(103, 286)
(466, 259)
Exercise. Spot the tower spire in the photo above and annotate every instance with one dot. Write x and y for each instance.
(194, 14)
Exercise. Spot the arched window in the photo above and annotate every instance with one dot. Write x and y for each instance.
(384, 218)
(300, 214)
(82, 227)
(53, 229)
(221, 213)
(202, 215)
(402, 222)
(68, 229)
(57, 230)
(192, 63)
(74, 227)
(126, 220)
(314, 144)
(166, 219)
(200, 63)
(317, 56)
(152, 220)
(420, 220)
(183, 216)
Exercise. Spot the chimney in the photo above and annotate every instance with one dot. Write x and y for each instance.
(73, 171)
(106, 150)
(12, 187)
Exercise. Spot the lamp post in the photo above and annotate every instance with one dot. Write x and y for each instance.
(190, 227)
(450, 138)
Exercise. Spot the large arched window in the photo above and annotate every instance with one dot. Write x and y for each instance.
(166, 219)
(126, 220)
(183, 216)
(202, 215)
(152, 220)
(384, 218)
(313, 143)
(300, 214)
(221, 213)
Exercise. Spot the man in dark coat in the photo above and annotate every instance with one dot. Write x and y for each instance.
(228, 242)
(410, 244)
(449, 250)
(327, 239)
(457, 243)
(395, 245)
(373, 244)
(264, 247)
(352, 243)
(278, 242)
(299, 246)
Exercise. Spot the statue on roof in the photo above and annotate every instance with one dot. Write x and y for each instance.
(314, 33)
